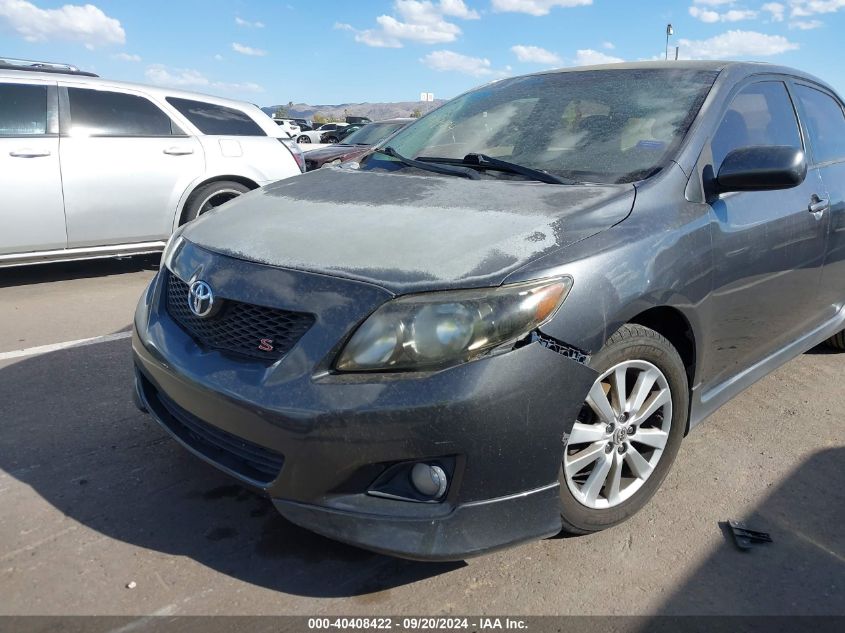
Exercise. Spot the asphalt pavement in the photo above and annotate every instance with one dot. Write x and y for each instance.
(102, 513)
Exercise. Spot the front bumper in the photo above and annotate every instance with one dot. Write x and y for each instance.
(499, 422)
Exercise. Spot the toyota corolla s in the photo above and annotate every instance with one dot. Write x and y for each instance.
(502, 323)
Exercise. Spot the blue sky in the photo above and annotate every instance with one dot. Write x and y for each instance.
(334, 51)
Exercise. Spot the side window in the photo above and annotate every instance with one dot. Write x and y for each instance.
(23, 110)
(215, 119)
(825, 123)
(762, 114)
(103, 113)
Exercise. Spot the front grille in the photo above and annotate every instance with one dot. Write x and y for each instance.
(238, 328)
(244, 458)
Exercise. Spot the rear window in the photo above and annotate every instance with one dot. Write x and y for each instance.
(215, 119)
(105, 113)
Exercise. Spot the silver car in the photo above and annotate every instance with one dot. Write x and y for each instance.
(95, 168)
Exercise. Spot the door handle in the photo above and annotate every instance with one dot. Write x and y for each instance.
(29, 153)
(818, 205)
(179, 151)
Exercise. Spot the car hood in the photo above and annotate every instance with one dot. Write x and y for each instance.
(325, 154)
(408, 233)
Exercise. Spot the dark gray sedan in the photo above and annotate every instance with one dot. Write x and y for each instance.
(503, 323)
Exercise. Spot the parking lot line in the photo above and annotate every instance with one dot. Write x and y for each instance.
(54, 347)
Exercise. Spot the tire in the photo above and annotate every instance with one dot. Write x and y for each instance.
(332, 140)
(303, 139)
(590, 505)
(209, 196)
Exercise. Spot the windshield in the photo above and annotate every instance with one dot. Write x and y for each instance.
(610, 126)
(373, 133)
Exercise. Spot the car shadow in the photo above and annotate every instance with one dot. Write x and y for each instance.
(822, 349)
(63, 271)
(76, 439)
(800, 573)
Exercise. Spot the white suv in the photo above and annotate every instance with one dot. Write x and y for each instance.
(95, 168)
(290, 126)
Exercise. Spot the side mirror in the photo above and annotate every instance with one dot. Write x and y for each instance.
(762, 168)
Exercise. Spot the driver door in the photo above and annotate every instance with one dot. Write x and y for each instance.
(768, 247)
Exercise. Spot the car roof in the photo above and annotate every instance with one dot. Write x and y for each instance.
(735, 68)
(98, 82)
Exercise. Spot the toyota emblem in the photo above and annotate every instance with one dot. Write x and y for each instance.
(200, 298)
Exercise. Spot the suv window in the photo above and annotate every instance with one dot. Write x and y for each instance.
(105, 113)
(825, 123)
(215, 119)
(23, 110)
(761, 114)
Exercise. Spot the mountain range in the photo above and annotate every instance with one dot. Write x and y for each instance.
(375, 111)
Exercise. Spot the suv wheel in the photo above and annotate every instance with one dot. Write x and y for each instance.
(628, 432)
(303, 139)
(211, 196)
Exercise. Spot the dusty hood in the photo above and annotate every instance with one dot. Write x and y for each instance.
(407, 232)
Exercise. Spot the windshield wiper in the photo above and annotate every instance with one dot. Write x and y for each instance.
(466, 172)
(483, 161)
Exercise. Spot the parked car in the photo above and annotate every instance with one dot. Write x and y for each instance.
(336, 136)
(356, 144)
(498, 326)
(314, 136)
(97, 168)
(358, 119)
(289, 126)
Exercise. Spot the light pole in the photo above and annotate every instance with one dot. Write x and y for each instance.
(669, 31)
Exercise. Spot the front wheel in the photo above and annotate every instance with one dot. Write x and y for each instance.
(628, 432)
(303, 139)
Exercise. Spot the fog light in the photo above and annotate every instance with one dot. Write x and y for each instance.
(429, 480)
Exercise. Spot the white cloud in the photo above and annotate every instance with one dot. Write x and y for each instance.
(535, 7)
(713, 3)
(608, 45)
(255, 25)
(422, 21)
(127, 57)
(810, 7)
(705, 15)
(87, 24)
(589, 57)
(248, 50)
(535, 55)
(733, 15)
(806, 25)
(445, 61)
(735, 44)
(776, 10)
(189, 78)
(736, 15)
(218, 57)
(806, 8)
(458, 9)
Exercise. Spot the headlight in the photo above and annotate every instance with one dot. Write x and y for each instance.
(438, 329)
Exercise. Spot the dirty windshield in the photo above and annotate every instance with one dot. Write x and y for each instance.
(608, 126)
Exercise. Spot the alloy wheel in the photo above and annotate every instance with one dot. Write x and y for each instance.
(619, 436)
